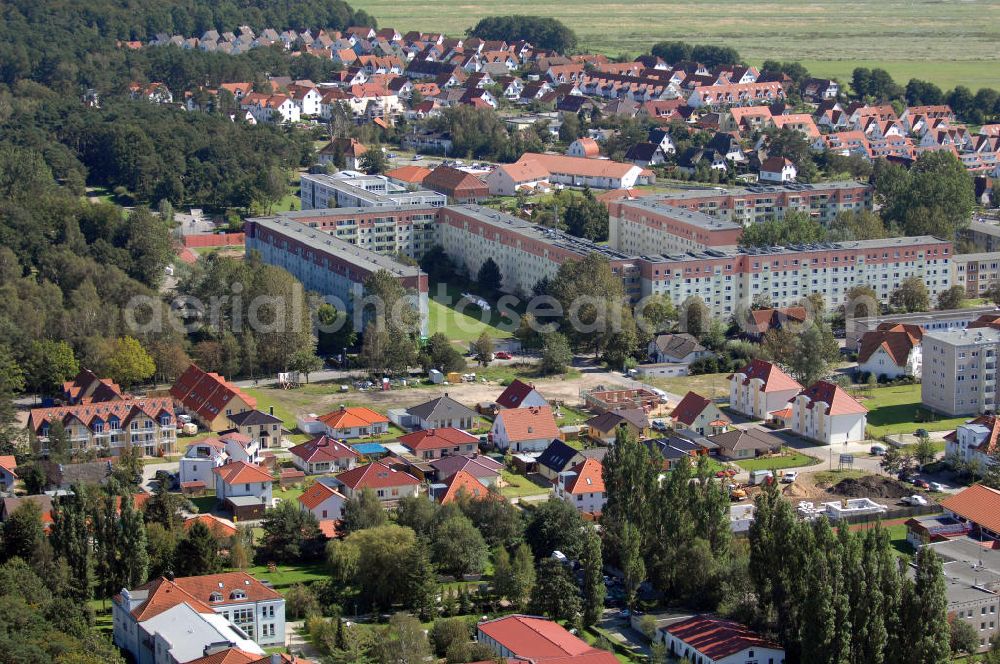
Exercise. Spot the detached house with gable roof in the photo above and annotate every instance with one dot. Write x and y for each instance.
(443, 412)
(700, 415)
(582, 486)
(524, 429)
(826, 413)
(324, 454)
(324, 501)
(355, 422)
(244, 488)
(388, 483)
(458, 484)
(760, 388)
(202, 458)
(436, 443)
(892, 350)
(209, 398)
(8, 476)
(520, 638)
(520, 395)
(604, 427)
(264, 428)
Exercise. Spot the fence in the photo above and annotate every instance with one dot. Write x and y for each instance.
(890, 514)
(214, 240)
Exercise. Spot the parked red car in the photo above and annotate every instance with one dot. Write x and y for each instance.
(503, 355)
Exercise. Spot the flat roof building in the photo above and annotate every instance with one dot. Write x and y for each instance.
(354, 189)
(959, 374)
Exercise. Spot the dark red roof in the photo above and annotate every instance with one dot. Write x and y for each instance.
(205, 393)
(513, 396)
(375, 476)
(716, 638)
(837, 400)
(324, 448)
(690, 407)
(434, 439)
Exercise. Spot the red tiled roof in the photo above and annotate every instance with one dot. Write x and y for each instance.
(589, 477)
(838, 401)
(207, 394)
(897, 341)
(589, 145)
(241, 472)
(375, 476)
(690, 407)
(716, 638)
(412, 174)
(90, 413)
(514, 394)
(9, 463)
(992, 423)
(462, 482)
(451, 181)
(542, 641)
(529, 423)
(226, 583)
(765, 319)
(435, 439)
(228, 656)
(316, 494)
(217, 526)
(775, 380)
(978, 504)
(323, 448)
(163, 595)
(356, 416)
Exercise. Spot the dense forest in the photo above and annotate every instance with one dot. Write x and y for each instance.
(56, 42)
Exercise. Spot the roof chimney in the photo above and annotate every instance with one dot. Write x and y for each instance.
(271, 410)
(342, 408)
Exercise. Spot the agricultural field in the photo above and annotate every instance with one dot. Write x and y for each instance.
(957, 40)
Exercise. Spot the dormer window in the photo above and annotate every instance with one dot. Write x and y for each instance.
(215, 597)
(237, 594)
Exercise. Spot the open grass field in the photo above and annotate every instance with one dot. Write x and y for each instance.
(895, 410)
(788, 458)
(957, 40)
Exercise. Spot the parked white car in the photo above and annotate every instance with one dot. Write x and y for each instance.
(937, 486)
(916, 501)
(790, 477)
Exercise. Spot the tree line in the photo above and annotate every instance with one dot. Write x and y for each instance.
(541, 32)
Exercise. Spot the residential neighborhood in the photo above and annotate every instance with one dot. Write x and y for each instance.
(345, 332)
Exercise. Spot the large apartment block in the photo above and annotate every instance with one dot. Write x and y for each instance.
(352, 189)
(681, 245)
(108, 427)
(975, 272)
(959, 375)
(327, 264)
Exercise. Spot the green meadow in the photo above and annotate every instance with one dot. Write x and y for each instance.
(945, 42)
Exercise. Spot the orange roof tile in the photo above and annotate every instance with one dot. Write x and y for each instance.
(412, 174)
(241, 472)
(897, 341)
(529, 423)
(589, 477)
(217, 526)
(164, 594)
(979, 504)
(462, 482)
(355, 416)
(838, 401)
(315, 495)
(775, 380)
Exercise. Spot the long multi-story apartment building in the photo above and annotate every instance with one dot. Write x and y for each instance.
(976, 272)
(326, 264)
(353, 189)
(110, 426)
(682, 246)
(959, 375)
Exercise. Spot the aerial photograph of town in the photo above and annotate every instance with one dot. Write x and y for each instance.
(549, 332)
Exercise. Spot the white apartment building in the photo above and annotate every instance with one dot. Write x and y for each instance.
(204, 456)
(827, 414)
(761, 388)
(959, 374)
(110, 426)
(351, 189)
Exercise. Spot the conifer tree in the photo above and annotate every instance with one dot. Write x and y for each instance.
(928, 615)
(71, 541)
(134, 556)
(593, 578)
(198, 552)
(422, 583)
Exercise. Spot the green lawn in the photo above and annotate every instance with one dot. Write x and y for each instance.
(788, 458)
(519, 486)
(290, 494)
(830, 38)
(897, 409)
(288, 575)
(205, 504)
(459, 326)
(712, 386)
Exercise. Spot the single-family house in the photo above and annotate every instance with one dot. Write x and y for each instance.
(826, 413)
(700, 415)
(223, 530)
(777, 169)
(342, 151)
(8, 476)
(264, 428)
(323, 501)
(87, 387)
(709, 639)
(458, 484)
(587, 148)
(761, 388)
(557, 458)
(891, 350)
(520, 395)
(524, 429)
(355, 422)
(436, 443)
(680, 348)
(819, 89)
(745, 443)
(324, 454)
(388, 484)
(604, 427)
(243, 488)
(443, 412)
(209, 399)
(202, 458)
(483, 468)
(582, 486)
